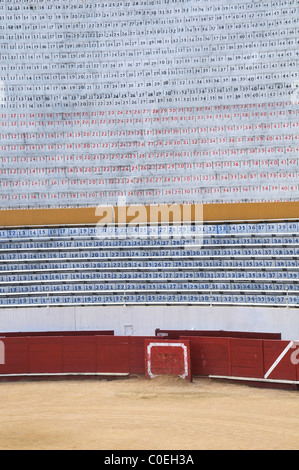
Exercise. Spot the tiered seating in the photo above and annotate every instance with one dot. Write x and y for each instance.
(220, 263)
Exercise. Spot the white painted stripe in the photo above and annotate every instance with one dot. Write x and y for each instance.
(279, 359)
(252, 379)
(180, 345)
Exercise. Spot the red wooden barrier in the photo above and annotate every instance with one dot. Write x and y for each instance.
(108, 354)
(136, 352)
(277, 361)
(209, 356)
(16, 356)
(79, 354)
(244, 358)
(170, 357)
(22, 334)
(74, 354)
(44, 355)
(175, 334)
(113, 354)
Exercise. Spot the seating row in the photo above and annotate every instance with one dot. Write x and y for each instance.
(69, 244)
(141, 264)
(235, 274)
(151, 230)
(150, 286)
(105, 299)
(159, 254)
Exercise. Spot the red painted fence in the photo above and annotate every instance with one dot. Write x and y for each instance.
(175, 334)
(73, 354)
(57, 333)
(171, 357)
(109, 354)
(244, 358)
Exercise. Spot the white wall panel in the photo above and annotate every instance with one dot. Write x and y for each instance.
(144, 320)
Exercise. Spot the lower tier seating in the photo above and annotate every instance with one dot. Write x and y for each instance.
(209, 264)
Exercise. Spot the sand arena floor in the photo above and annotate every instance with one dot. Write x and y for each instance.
(166, 413)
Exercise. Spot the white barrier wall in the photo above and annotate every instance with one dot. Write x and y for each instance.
(143, 320)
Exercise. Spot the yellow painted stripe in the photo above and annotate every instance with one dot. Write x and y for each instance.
(211, 212)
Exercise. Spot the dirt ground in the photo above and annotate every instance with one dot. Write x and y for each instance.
(166, 413)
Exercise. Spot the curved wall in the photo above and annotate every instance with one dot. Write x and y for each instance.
(144, 320)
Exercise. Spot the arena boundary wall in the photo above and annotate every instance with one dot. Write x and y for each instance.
(143, 320)
(242, 359)
(176, 334)
(72, 355)
(262, 360)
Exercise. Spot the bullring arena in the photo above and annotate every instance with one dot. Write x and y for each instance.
(135, 414)
(149, 224)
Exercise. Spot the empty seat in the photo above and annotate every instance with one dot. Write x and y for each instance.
(244, 263)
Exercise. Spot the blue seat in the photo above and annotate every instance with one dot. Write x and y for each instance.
(97, 299)
(293, 300)
(193, 298)
(261, 228)
(204, 298)
(282, 228)
(292, 227)
(258, 257)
